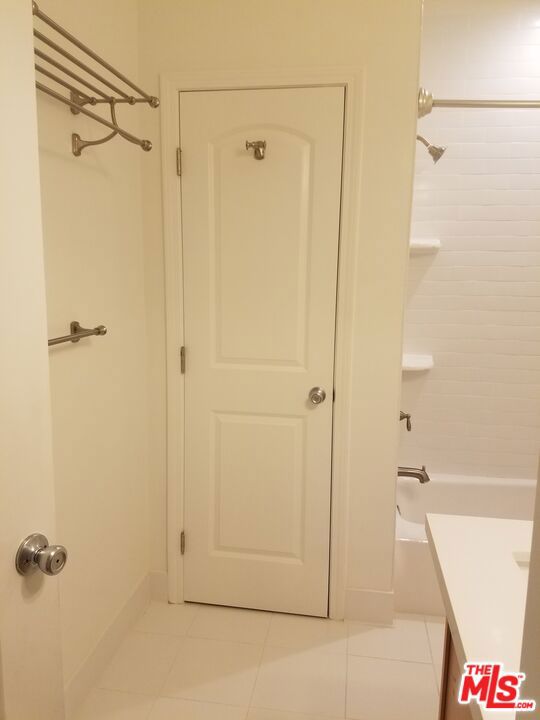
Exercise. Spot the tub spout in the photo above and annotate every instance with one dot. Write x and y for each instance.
(419, 473)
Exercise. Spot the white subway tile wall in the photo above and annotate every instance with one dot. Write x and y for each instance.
(475, 304)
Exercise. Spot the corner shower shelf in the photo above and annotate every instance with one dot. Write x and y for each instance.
(416, 363)
(422, 246)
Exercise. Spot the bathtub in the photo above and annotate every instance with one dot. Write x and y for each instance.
(415, 584)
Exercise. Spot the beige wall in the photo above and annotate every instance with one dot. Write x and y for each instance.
(94, 273)
(380, 38)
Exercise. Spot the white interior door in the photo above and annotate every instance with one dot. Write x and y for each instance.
(30, 659)
(260, 268)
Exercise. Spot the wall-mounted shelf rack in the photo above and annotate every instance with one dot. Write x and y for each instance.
(424, 246)
(412, 362)
(86, 91)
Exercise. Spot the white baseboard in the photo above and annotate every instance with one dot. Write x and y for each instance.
(372, 606)
(88, 674)
(158, 586)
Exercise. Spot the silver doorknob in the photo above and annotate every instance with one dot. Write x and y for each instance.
(317, 395)
(35, 552)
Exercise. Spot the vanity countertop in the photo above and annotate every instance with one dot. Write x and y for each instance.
(482, 569)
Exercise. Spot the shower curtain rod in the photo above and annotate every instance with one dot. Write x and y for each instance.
(426, 103)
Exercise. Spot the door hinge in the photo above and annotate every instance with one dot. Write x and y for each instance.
(334, 395)
(182, 542)
(179, 162)
(183, 360)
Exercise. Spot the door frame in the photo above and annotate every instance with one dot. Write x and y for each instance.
(352, 80)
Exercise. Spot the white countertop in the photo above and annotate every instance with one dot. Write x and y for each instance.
(483, 587)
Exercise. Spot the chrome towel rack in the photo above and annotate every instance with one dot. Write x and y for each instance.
(77, 333)
(92, 94)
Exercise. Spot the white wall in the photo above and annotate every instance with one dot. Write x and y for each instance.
(380, 38)
(94, 271)
(476, 304)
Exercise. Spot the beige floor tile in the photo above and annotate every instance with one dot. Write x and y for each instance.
(237, 625)
(166, 619)
(112, 705)
(214, 671)
(304, 681)
(141, 664)
(296, 631)
(406, 640)
(173, 709)
(390, 690)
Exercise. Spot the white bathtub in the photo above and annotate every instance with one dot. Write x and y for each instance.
(415, 585)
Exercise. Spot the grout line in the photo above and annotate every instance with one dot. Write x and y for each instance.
(392, 659)
(272, 618)
(167, 672)
(433, 663)
(137, 693)
(152, 708)
(178, 639)
(192, 621)
(263, 648)
(153, 698)
(201, 702)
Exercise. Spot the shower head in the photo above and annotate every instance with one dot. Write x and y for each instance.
(436, 151)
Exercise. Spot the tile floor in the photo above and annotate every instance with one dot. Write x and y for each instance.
(194, 662)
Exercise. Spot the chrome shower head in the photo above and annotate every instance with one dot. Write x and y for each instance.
(436, 151)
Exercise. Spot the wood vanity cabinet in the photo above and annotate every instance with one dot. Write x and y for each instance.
(449, 708)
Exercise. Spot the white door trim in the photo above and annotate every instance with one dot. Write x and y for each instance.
(171, 85)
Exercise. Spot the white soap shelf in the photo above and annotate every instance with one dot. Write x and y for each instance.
(416, 363)
(423, 246)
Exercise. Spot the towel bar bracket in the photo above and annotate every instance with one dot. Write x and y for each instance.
(76, 333)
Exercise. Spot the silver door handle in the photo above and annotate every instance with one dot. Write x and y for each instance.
(317, 395)
(35, 552)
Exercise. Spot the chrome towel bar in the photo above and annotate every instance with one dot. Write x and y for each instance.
(77, 332)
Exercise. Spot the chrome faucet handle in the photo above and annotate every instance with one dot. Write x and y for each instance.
(407, 418)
